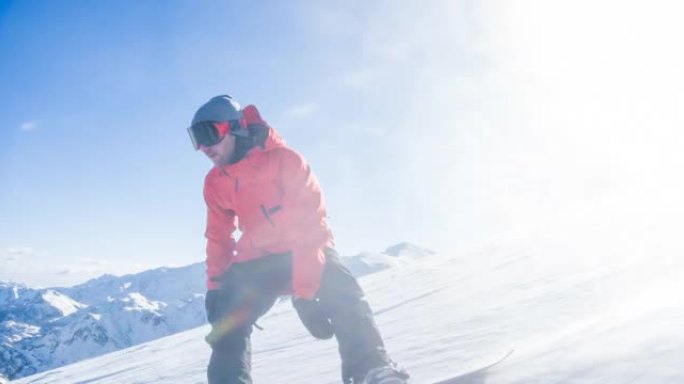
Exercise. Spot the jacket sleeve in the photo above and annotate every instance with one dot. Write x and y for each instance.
(221, 224)
(305, 214)
(303, 203)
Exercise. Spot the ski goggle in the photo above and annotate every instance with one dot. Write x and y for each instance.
(208, 133)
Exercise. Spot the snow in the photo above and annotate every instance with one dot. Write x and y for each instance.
(63, 303)
(408, 250)
(368, 262)
(42, 329)
(570, 317)
(138, 302)
(20, 331)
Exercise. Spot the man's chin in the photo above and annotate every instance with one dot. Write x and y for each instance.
(219, 161)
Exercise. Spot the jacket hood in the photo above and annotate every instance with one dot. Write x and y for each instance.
(261, 139)
(262, 135)
(272, 140)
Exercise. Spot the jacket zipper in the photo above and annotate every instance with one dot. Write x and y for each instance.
(266, 214)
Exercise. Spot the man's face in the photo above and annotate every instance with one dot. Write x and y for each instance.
(221, 152)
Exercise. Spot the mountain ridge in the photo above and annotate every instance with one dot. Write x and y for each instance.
(45, 328)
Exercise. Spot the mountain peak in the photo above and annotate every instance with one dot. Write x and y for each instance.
(405, 249)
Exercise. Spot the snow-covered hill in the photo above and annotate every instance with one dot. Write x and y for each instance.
(368, 262)
(42, 329)
(571, 318)
(46, 328)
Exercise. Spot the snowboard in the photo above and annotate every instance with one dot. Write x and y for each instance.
(476, 375)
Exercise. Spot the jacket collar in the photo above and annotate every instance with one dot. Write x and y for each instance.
(253, 160)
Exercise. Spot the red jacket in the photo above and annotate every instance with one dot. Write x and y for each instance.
(274, 198)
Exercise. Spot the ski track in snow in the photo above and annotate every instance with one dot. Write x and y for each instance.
(445, 314)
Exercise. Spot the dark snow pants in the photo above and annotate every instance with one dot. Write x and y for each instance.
(249, 290)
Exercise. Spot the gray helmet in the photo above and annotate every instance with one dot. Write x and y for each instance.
(221, 108)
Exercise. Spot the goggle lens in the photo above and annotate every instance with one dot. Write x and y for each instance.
(208, 133)
(204, 133)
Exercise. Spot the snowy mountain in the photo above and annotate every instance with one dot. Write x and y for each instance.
(570, 317)
(367, 262)
(42, 329)
(46, 328)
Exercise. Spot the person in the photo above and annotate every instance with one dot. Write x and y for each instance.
(266, 189)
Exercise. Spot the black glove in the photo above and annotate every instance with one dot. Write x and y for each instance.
(211, 305)
(314, 318)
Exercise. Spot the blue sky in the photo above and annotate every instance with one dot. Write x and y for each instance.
(442, 124)
(97, 171)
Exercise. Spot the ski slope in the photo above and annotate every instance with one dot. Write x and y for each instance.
(570, 319)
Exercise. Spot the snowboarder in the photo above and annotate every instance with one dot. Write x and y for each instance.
(268, 190)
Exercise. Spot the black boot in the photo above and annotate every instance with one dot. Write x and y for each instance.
(387, 374)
